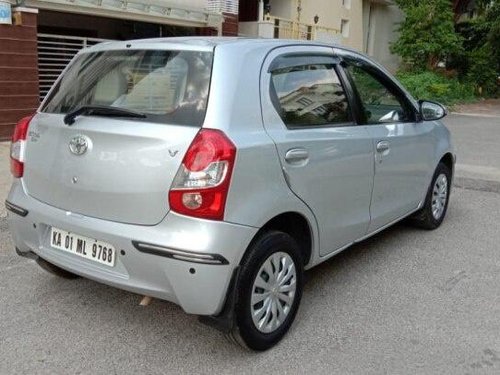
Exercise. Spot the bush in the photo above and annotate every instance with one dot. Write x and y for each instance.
(482, 71)
(480, 63)
(433, 86)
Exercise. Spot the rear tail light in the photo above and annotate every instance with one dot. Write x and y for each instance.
(202, 182)
(17, 147)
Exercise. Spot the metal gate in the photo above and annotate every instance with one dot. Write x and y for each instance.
(54, 53)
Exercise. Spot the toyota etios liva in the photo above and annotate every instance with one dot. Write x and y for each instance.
(212, 172)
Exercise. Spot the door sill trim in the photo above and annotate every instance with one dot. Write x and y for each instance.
(387, 225)
(340, 249)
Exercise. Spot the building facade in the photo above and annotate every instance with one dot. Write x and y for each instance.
(365, 25)
(333, 21)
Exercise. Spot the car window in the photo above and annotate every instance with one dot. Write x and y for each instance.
(309, 95)
(167, 86)
(380, 104)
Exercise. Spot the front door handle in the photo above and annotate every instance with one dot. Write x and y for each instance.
(297, 156)
(383, 146)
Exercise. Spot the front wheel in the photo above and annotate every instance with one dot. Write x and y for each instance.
(270, 289)
(436, 202)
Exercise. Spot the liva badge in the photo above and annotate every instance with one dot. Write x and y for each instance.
(5, 13)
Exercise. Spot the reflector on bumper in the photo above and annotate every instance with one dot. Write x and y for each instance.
(16, 209)
(187, 256)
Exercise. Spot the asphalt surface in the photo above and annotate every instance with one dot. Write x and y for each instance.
(477, 143)
(406, 301)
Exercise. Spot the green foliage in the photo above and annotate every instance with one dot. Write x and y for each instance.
(482, 72)
(480, 63)
(492, 20)
(472, 50)
(427, 35)
(434, 86)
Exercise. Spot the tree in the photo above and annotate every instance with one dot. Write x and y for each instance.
(480, 63)
(427, 35)
(492, 18)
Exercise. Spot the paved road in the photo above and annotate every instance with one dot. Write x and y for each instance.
(404, 302)
(477, 142)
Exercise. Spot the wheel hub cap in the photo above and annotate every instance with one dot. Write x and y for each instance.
(439, 196)
(273, 292)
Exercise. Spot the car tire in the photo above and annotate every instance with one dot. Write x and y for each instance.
(269, 291)
(436, 202)
(54, 270)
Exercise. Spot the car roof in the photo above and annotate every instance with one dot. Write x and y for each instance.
(208, 43)
(219, 40)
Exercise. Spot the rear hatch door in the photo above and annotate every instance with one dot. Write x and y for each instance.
(124, 175)
(118, 168)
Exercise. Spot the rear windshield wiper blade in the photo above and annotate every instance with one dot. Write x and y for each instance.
(101, 110)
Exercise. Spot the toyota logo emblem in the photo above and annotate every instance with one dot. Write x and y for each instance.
(79, 144)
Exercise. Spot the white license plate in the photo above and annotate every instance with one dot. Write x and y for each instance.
(88, 248)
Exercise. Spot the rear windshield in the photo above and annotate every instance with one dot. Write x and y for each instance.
(167, 86)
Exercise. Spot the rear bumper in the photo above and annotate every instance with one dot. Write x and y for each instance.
(199, 287)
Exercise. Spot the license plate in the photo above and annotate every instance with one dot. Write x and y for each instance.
(88, 248)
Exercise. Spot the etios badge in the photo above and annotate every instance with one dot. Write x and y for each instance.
(79, 144)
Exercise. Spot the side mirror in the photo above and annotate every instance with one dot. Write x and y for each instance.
(431, 111)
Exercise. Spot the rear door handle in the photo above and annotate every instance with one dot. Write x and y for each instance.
(296, 156)
(383, 146)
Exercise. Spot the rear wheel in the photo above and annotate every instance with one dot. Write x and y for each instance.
(54, 270)
(436, 202)
(270, 289)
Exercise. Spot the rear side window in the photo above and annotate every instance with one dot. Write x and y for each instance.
(309, 96)
(167, 86)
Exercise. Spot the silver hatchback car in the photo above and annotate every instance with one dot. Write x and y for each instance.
(211, 172)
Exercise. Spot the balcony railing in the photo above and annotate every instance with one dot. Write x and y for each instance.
(288, 29)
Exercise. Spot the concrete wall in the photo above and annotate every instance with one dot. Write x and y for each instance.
(263, 29)
(379, 25)
(284, 9)
(249, 29)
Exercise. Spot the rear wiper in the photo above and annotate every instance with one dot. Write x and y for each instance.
(101, 110)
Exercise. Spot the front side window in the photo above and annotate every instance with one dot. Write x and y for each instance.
(166, 86)
(309, 95)
(379, 103)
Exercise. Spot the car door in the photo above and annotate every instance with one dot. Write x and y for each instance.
(326, 158)
(403, 146)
